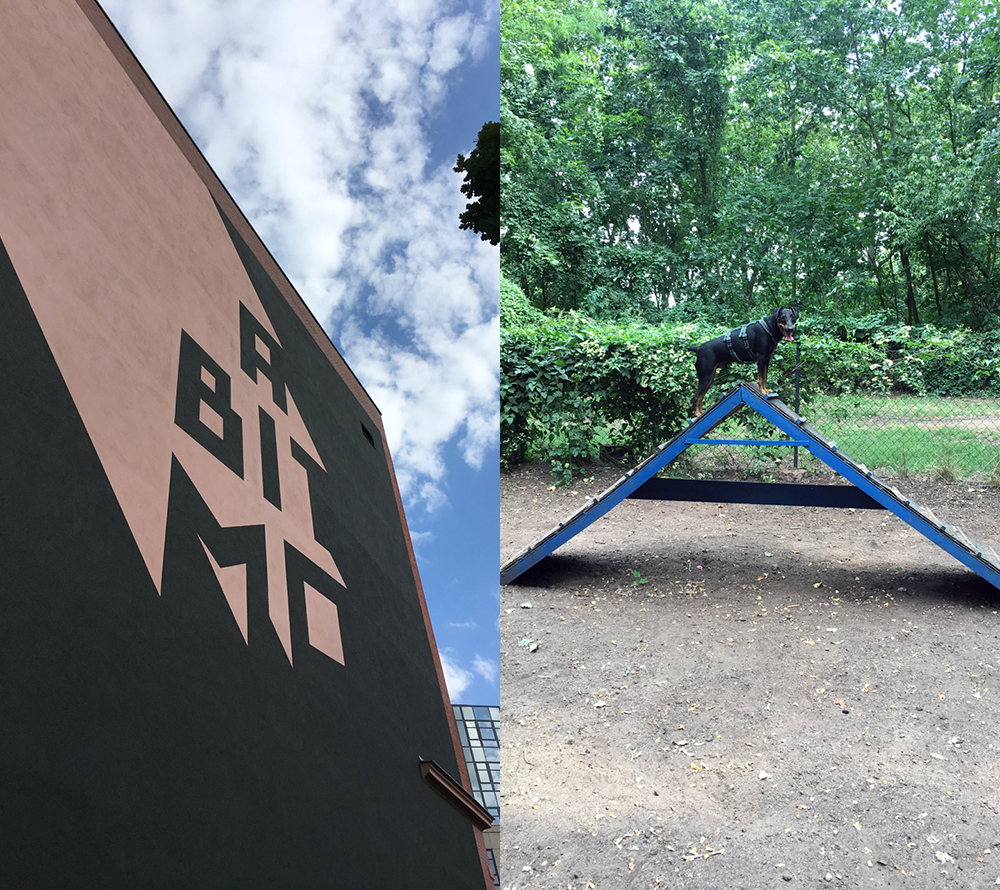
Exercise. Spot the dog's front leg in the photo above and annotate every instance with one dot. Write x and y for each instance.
(762, 374)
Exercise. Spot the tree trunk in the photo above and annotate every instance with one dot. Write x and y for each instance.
(930, 265)
(749, 280)
(912, 315)
(792, 298)
(895, 286)
(877, 272)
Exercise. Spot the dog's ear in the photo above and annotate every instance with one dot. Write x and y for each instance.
(795, 313)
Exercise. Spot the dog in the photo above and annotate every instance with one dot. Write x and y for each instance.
(754, 342)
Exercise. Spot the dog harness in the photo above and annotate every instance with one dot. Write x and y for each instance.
(744, 341)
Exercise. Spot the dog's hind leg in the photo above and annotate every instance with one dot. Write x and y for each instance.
(703, 387)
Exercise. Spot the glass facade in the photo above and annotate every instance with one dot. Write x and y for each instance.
(478, 731)
(477, 728)
(493, 864)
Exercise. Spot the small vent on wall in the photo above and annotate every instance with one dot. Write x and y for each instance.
(368, 435)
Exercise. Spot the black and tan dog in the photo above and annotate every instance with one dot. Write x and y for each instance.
(754, 342)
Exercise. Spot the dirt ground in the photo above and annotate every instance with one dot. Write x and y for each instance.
(704, 695)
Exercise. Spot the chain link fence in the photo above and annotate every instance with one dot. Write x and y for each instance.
(946, 438)
(950, 439)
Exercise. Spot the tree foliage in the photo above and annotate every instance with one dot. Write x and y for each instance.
(482, 182)
(714, 157)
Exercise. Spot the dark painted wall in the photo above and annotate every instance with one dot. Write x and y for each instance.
(145, 743)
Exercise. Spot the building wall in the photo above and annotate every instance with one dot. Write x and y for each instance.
(216, 667)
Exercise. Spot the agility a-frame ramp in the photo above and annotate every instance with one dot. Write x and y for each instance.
(868, 492)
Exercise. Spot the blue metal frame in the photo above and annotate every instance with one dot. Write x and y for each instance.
(978, 557)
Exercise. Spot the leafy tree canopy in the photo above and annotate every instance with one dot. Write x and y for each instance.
(723, 156)
(482, 181)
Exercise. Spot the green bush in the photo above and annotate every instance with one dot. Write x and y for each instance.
(960, 362)
(569, 384)
(567, 381)
(515, 308)
(875, 354)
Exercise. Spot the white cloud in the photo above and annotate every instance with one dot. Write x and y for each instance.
(313, 114)
(457, 678)
(430, 395)
(486, 668)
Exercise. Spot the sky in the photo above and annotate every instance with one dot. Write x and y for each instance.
(335, 125)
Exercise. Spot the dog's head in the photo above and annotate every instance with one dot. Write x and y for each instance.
(785, 319)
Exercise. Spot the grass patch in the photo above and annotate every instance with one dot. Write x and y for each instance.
(943, 437)
(858, 406)
(914, 449)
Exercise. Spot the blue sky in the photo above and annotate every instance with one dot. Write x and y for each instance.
(335, 125)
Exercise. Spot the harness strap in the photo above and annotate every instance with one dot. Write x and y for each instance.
(745, 340)
(729, 343)
(746, 343)
(763, 324)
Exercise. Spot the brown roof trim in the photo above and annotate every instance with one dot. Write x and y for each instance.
(453, 791)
